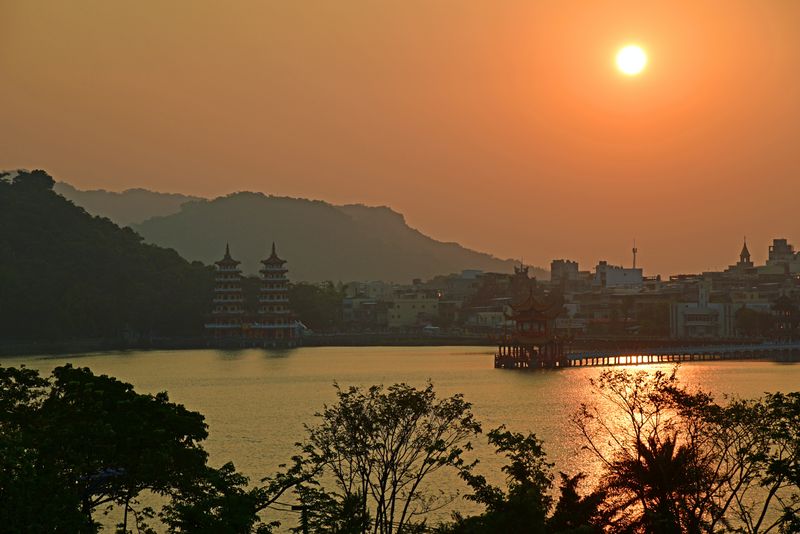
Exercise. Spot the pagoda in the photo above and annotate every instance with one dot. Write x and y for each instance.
(531, 343)
(227, 314)
(274, 321)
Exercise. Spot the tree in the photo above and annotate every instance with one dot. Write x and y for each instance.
(217, 503)
(753, 323)
(653, 463)
(759, 444)
(524, 505)
(318, 306)
(371, 454)
(112, 443)
(32, 492)
(66, 275)
(675, 461)
(76, 442)
(578, 514)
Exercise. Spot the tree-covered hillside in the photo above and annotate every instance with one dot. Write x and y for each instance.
(320, 241)
(65, 274)
(124, 208)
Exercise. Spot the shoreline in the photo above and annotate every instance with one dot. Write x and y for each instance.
(55, 348)
(85, 346)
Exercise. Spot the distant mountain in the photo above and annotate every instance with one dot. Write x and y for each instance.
(125, 208)
(320, 241)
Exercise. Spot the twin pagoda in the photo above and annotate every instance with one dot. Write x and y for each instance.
(271, 322)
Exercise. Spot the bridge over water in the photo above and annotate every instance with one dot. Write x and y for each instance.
(520, 358)
(682, 354)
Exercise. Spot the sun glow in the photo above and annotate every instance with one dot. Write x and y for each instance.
(631, 60)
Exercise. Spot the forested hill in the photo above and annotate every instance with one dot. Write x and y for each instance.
(65, 274)
(320, 241)
(128, 207)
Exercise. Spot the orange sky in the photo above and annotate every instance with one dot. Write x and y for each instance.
(499, 124)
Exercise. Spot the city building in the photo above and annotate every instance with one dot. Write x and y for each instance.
(782, 259)
(563, 271)
(609, 303)
(744, 265)
(613, 276)
(701, 318)
(361, 313)
(375, 290)
(412, 308)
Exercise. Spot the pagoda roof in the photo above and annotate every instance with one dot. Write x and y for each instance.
(273, 258)
(227, 259)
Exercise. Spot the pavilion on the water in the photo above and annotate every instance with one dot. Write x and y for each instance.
(531, 343)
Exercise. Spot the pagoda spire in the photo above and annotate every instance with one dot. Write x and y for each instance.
(273, 257)
(227, 250)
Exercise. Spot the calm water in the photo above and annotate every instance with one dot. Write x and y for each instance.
(257, 401)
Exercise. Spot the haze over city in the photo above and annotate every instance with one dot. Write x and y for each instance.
(503, 126)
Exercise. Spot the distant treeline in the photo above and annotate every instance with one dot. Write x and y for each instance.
(67, 275)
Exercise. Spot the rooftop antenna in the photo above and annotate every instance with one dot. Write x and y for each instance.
(634, 250)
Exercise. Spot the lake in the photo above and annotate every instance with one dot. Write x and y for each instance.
(257, 401)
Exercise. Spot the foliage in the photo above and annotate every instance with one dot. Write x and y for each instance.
(27, 483)
(577, 514)
(67, 275)
(654, 319)
(753, 323)
(330, 512)
(320, 241)
(112, 443)
(76, 443)
(675, 461)
(524, 505)
(219, 503)
(319, 306)
(377, 448)
(757, 443)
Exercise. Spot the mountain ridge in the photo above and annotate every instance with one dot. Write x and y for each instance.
(322, 241)
(126, 207)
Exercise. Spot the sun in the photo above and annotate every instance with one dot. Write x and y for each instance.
(631, 60)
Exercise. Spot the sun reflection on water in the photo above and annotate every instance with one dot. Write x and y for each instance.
(256, 403)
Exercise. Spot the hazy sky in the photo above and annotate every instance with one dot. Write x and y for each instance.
(499, 124)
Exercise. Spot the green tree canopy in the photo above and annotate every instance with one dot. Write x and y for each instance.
(65, 274)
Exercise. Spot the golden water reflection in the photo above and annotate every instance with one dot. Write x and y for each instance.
(256, 402)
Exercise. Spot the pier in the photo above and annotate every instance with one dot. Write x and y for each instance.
(520, 359)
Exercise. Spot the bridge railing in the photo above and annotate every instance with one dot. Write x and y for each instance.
(688, 350)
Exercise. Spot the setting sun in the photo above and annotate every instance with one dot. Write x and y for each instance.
(631, 60)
